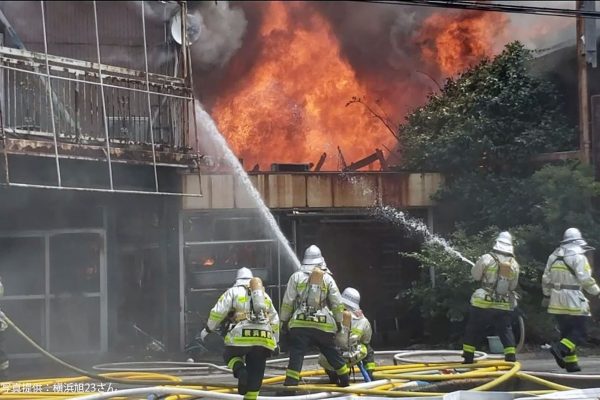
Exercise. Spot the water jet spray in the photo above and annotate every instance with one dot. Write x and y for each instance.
(210, 128)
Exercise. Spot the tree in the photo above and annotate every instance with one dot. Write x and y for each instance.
(562, 197)
(480, 131)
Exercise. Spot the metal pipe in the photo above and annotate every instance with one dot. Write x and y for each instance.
(64, 64)
(231, 242)
(80, 189)
(57, 161)
(148, 89)
(6, 172)
(110, 174)
(182, 288)
(64, 78)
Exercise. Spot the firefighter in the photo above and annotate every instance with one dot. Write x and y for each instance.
(354, 340)
(495, 300)
(567, 273)
(253, 333)
(311, 312)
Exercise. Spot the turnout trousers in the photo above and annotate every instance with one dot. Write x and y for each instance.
(572, 334)
(479, 320)
(248, 365)
(301, 339)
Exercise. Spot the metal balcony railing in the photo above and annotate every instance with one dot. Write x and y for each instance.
(27, 87)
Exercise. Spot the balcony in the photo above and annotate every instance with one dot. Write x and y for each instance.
(66, 108)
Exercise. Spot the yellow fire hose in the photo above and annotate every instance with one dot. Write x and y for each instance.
(393, 379)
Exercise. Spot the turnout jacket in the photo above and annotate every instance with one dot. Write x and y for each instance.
(247, 330)
(326, 316)
(355, 345)
(568, 273)
(498, 275)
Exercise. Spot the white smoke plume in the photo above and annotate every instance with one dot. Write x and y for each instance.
(221, 32)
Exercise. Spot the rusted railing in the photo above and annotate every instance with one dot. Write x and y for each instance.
(77, 103)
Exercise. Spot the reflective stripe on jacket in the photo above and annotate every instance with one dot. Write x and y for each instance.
(245, 332)
(567, 273)
(497, 287)
(293, 307)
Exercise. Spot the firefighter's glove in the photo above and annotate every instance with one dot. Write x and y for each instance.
(276, 351)
(3, 322)
(204, 334)
(353, 357)
(545, 302)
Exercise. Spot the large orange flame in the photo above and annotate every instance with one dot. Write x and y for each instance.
(291, 106)
(456, 41)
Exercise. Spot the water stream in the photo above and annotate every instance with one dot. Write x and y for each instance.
(210, 128)
(386, 212)
(416, 225)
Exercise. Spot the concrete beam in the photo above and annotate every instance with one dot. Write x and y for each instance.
(314, 190)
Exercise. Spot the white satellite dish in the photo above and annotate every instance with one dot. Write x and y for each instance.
(194, 27)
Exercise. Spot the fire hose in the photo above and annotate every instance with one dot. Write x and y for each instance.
(390, 381)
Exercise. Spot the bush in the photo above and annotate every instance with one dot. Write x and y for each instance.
(443, 307)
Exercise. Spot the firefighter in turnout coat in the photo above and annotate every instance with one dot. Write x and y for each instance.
(494, 301)
(567, 275)
(311, 312)
(354, 340)
(253, 333)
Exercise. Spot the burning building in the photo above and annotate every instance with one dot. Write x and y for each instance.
(337, 78)
(115, 209)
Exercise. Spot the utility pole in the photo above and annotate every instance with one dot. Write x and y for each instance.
(584, 112)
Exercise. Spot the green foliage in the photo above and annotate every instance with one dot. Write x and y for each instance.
(475, 201)
(490, 119)
(480, 131)
(561, 196)
(448, 301)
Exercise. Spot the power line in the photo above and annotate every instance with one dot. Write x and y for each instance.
(506, 8)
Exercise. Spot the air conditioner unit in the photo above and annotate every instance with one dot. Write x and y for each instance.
(130, 129)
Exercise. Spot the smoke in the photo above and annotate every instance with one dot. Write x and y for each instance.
(398, 55)
(541, 32)
(378, 41)
(221, 32)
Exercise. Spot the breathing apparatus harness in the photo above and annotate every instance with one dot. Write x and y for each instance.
(504, 271)
(571, 270)
(258, 309)
(310, 303)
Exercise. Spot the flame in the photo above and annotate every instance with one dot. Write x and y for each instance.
(209, 262)
(456, 41)
(291, 105)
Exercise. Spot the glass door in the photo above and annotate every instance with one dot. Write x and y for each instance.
(75, 292)
(55, 289)
(23, 272)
